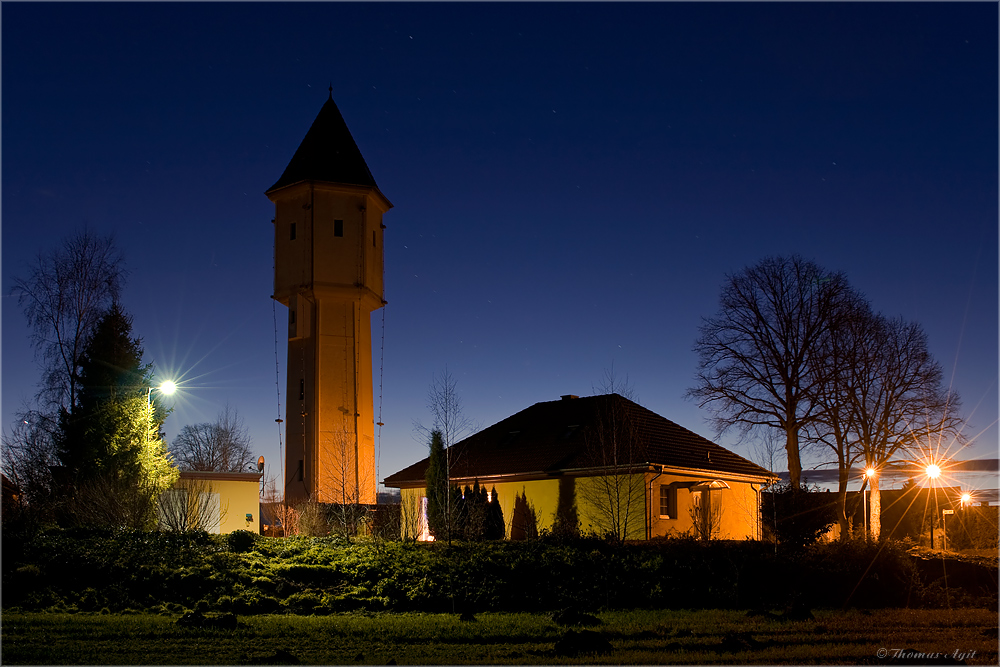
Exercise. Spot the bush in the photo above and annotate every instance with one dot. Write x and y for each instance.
(973, 528)
(860, 574)
(796, 516)
(320, 575)
(241, 541)
(306, 602)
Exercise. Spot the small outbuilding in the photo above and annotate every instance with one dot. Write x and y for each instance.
(216, 502)
(602, 465)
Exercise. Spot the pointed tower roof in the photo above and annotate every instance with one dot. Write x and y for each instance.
(328, 153)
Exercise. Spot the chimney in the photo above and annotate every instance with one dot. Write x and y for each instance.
(568, 397)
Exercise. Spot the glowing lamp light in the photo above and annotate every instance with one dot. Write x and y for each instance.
(966, 498)
(168, 388)
(933, 471)
(869, 472)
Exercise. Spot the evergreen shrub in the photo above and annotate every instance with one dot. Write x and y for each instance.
(120, 570)
(241, 541)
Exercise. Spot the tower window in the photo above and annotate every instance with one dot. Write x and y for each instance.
(300, 470)
(291, 233)
(302, 390)
(338, 227)
(291, 317)
(373, 239)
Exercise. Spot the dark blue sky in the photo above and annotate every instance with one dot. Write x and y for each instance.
(572, 183)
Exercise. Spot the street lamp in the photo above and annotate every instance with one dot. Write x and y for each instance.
(166, 388)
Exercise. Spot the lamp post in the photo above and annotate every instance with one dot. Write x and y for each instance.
(870, 473)
(933, 471)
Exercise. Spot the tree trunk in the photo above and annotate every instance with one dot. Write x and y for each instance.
(875, 508)
(794, 462)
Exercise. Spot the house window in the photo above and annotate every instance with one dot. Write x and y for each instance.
(338, 227)
(291, 232)
(668, 502)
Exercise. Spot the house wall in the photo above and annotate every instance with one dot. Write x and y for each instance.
(542, 495)
(739, 517)
(237, 498)
(612, 505)
(242, 498)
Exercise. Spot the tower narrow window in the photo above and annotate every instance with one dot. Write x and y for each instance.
(373, 238)
(338, 227)
(291, 232)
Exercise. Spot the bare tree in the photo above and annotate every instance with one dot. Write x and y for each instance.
(279, 518)
(191, 505)
(450, 421)
(756, 354)
(222, 446)
(115, 501)
(65, 294)
(446, 408)
(839, 365)
(614, 449)
(341, 481)
(312, 519)
(29, 454)
(896, 400)
(412, 525)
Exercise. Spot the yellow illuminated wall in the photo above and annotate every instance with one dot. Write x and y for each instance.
(238, 495)
(736, 507)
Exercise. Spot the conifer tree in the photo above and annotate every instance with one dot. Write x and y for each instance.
(109, 443)
(436, 479)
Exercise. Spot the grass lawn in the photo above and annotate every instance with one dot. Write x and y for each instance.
(636, 637)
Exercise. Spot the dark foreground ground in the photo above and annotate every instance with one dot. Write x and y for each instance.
(886, 636)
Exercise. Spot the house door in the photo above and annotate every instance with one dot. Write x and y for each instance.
(707, 509)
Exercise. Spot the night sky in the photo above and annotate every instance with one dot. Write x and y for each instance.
(572, 183)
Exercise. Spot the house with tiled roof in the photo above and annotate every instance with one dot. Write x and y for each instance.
(604, 464)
